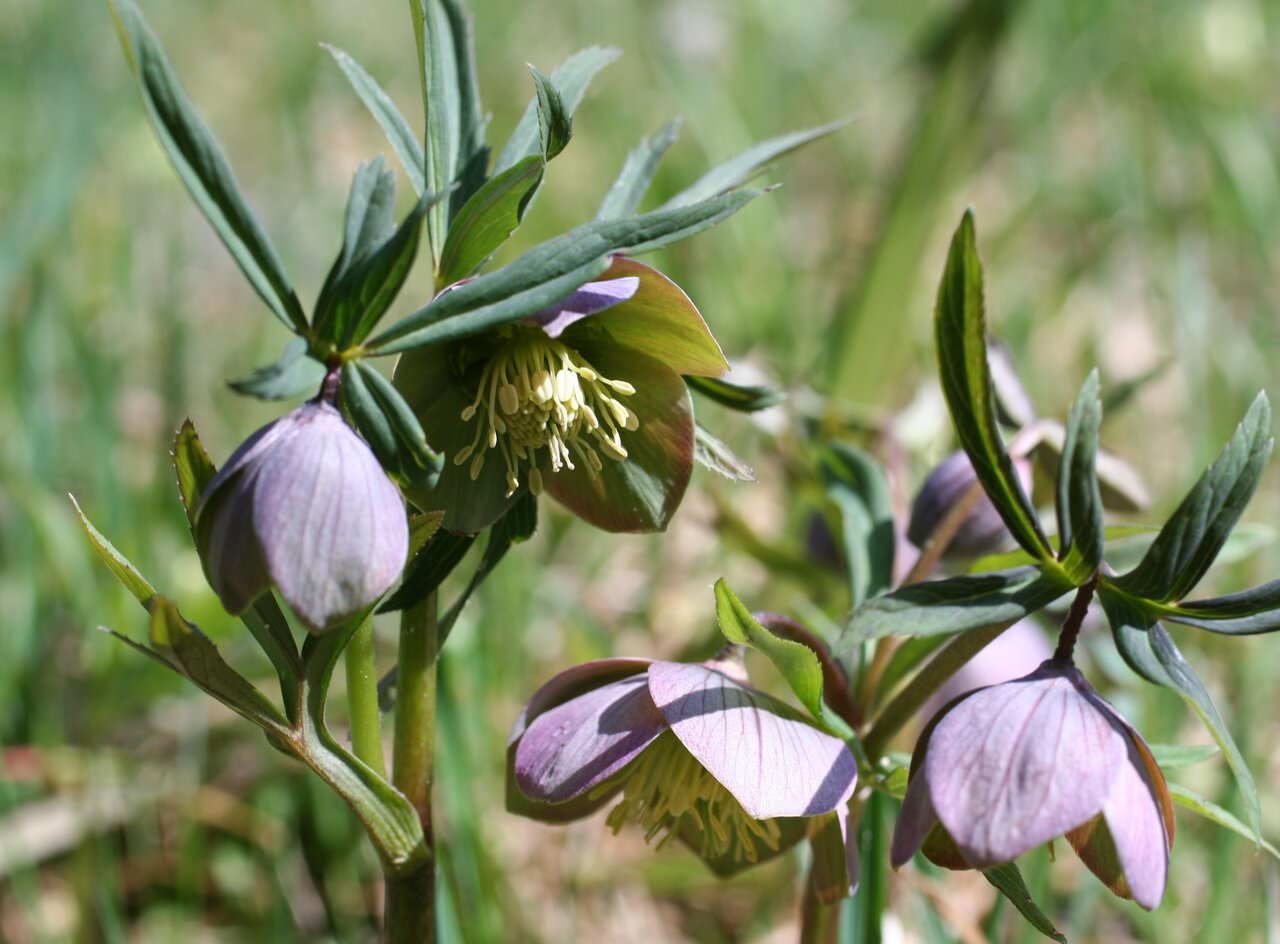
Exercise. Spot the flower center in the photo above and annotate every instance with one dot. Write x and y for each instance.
(535, 392)
(667, 790)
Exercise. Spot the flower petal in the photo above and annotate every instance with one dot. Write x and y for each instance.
(1014, 765)
(659, 320)
(641, 492)
(229, 548)
(773, 763)
(429, 383)
(592, 298)
(915, 820)
(579, 744)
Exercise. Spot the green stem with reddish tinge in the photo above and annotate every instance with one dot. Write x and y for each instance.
(1075, 619)
(410, 899)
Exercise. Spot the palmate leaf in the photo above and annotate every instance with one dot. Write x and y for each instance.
(1080, 521)
(960, 337)
(856, 485)
(1238, 614)
(632, 182)
(401, 137)
(379, 413)
(1190, 540)
(954, 605)
(548, 272)
(1151, 652)
(293, 374)
(203, 167)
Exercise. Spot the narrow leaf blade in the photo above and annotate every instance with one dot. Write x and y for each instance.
(1081, 528)
(402, 138)
(632, 182)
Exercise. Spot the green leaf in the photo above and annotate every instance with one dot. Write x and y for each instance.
(418, 462)
(1175, 756)
(515, 527)
(402, 138)
(293, 374)
(631, 184)
(428, 569)
(1080, 521)
(191, 653)
(366, 225)
(194, 468)
(954, 605)
(711, 453)
(486, 220)
(1237, 614)
(798, 663)
(906, 659)
(442, 99)
(960, 334)
(856, 485)
(117, 563)
(548, 272)
(473, 154)
(1151, 652)
(203, 167)
(571, 79)
(367, 417)
(1189, 799)
(555, 121)
(740, 397)
(750, 163)
(1192, 537)
(1007, 880)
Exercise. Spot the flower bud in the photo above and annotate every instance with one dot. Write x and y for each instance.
(303, 506)
(983, 531)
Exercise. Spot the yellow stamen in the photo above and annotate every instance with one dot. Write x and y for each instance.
(536, 392)
(666, 790)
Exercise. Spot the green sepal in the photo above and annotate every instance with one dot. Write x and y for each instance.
(631, 184)
(1081, 529)
(1192, 537)
(548, 272)
(401, 137)
(292, 375)
(1151, 652)
(960, 335)
(570, 80)
(954, 605)
(1008, 881)
(738, 170)
(203, 167)
(740, 397)
(797, 663)
(856, 486)
(711, 453)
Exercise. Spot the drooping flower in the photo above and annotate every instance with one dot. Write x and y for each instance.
(1018, 650)
(303, 506)
(689, 750)
(982, 531)
(1007, 768)
(584, 400)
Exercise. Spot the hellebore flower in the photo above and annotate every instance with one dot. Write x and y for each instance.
(983, 531)
(693, 751)
(584, 400)
(1012, 766)
(305, 507)
(1018, 650)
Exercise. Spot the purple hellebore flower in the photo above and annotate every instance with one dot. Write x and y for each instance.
(983, 531)
(1018, 650)
(1006, 768)
(692, 749)
(584, 400)
(305, 507)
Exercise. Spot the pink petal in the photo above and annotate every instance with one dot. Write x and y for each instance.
(773, 763)
(579, 744)
(572, 682)
(1015, 765)
(915, 820)
(591, 298)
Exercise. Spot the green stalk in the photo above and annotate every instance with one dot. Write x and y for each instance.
(411, 899)
(362, 698)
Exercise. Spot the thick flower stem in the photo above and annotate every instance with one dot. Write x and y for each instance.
(362, 698)
(1075, 619)
(410, 899)
(819, 920)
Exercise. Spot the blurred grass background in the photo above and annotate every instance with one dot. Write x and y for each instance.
(1123, 163)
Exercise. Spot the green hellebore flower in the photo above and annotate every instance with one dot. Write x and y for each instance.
(584, 400)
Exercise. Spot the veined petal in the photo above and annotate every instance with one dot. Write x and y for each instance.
(572, 682)
(1014, 765)
(581, 743)
(773, 763)
(592, 298)
(641, 492)
(659, 320)
(228, 545)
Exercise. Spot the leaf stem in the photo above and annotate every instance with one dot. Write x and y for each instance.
(362, 698)
(410, 899)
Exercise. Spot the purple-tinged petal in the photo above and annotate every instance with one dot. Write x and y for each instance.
(659, 320)
(771, 762)
(572, 682)
(591, 298)
(1015, 765)
(982, 531)
(916, 818)
(579, 744)
(228, 545)
(1017, 651)
(834, 840)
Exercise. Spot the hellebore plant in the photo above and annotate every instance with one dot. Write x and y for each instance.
(583, 399)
